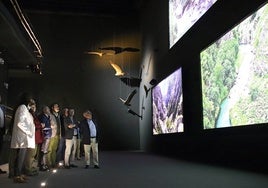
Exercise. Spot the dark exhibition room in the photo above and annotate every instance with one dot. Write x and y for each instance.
(134, 93)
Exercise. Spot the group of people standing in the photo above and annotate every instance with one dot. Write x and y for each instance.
(51, 138)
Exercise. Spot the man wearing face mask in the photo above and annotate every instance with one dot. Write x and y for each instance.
(22, 136)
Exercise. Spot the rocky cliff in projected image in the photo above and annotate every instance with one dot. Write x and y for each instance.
(167, 105)
(183, 14)
(234, 73)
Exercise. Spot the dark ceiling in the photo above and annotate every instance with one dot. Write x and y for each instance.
(93, 7)
(15, 44)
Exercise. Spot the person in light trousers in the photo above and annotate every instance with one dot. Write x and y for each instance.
(90, 138)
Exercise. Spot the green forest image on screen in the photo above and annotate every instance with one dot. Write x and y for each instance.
(234, 73)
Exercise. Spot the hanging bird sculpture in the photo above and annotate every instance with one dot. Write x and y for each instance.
(129, 98)
(118, 70)
(132, 81)
(100, 54)
(146, 90)
(118, 50)
(134, 113)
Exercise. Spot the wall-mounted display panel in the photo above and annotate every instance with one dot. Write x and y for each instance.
(167, 105)
(234, 71)
(183, 14)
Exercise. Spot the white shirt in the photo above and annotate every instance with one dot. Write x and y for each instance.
(92, 128)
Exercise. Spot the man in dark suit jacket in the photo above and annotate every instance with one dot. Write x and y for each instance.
(90, 137)
(69, 125)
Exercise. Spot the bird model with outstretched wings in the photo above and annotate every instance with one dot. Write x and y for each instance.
(118, 50)
(134, 113)
(117, 68)
(132, 81)
(146, 90)
(100, 54)
(129, 98)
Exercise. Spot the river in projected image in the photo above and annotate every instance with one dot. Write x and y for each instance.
(167, 105)
(235, 75)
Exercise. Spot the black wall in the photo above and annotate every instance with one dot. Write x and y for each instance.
(241, 146)
(75, 79)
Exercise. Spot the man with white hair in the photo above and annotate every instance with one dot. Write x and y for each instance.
(90, 138)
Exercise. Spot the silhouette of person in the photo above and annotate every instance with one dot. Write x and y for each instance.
(2, 130)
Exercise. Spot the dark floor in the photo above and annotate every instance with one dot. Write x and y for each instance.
(137, 169)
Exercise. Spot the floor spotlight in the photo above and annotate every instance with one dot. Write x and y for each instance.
(43, 184)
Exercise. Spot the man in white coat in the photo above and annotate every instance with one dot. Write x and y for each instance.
(23, 137)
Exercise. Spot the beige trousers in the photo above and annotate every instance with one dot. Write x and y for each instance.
(95, 153)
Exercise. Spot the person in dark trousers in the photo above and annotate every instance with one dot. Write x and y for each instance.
(2, 130)
(23, 137)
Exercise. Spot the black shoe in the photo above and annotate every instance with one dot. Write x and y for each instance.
(87, 166)
(32, 174)
(2, 171)
(96, 166)
(44, 168)
(60, 166)
(73, 166)
(67, 167)
(19, 179)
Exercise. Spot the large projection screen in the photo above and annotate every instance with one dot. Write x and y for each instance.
(234, 73)
(167, 105)
(183, 14)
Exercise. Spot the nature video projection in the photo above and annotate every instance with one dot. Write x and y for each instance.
(235, 75)
(167, 105)
(182, 16)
